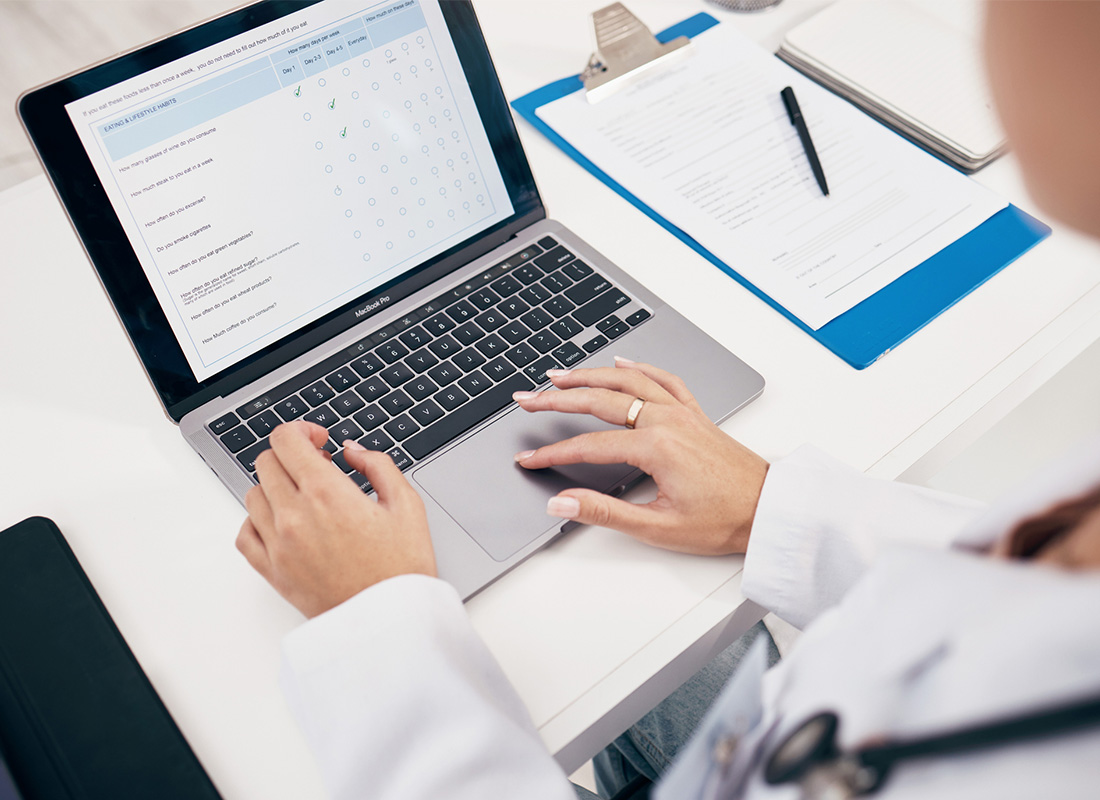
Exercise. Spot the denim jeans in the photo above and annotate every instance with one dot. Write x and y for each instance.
(651, 744)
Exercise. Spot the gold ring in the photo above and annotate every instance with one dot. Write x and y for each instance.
(633, 412)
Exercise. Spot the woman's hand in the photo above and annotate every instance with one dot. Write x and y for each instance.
(315, 537)
(708, 485)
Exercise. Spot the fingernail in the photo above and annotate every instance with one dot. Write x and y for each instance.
(564, 507)
(349, 444)
(526, 454)
(556, 373)
(517, 396)
(621, 360)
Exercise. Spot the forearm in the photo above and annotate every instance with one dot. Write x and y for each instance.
(400, 699)
(820, 524)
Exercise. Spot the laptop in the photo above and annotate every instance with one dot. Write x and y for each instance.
(322, 211)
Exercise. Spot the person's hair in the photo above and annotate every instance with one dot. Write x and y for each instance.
(1035, 533)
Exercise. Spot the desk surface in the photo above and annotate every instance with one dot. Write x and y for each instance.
(595, 628)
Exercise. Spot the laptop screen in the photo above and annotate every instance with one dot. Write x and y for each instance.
(7, 785)
(290, 172)
(270, 178)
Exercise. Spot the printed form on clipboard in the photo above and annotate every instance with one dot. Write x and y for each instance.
(706, 142)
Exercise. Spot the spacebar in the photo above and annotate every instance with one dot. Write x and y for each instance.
(465, 417)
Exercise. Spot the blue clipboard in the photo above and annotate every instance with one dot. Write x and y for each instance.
(871, 329)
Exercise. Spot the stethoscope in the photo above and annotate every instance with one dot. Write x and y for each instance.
(809, 756)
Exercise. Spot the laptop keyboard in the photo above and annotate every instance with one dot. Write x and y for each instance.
(426, 379)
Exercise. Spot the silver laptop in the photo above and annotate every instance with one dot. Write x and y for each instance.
(322, 211)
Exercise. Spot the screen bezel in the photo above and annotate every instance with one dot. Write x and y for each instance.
(53, 135)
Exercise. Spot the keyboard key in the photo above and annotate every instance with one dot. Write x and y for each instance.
(395, 402)
(391, 351)
(397, 374)
(544, 341)
(559, 306)
(595, 343)
(366, 366)
(249, 456)
(223, 423)
(461, 311)
(491, 346)
(421, 360)
(419, 388)
(318, 393)
(400, 458)
(616, 330)
(347, 403)
(587, 289)
(345, 430)
(566, 327)
(527, 274)
(499, 368)
(475, 383)
(536, 319)
(445, 346)
(360, 481)
(468, 334)
(377, 440)
(238, 439)
(557, 282)
(371, 390)
(536, 371)
(553, 259)
(329, 447)
(451, 398)
(568, 354)
(515, 332)
(370, 417)
(490, 320)
(401, 428)
(513, 307)
(577, 271)
(599, 308)
(426, 413)
(522, 354)
(343, 378)
(292, 408)
(263, 424)
(637, 317)
(468, 359)
(610, 322)
(466, 416)
(439, 324)
(484, 299)
(445, 373)
(547, 243)
(535, 294)
(415, 337)
(506, 286)
(343, 464)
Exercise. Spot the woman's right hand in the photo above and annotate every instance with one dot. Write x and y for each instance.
(708, 484)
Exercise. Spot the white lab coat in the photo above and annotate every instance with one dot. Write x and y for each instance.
(399, 699)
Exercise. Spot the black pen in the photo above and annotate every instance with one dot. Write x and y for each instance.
(795, 113)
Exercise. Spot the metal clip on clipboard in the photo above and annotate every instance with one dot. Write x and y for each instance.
(625, 48)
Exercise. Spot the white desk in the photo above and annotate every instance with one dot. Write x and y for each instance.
(592, 630)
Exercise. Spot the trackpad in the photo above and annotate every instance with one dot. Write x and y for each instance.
(496, 501)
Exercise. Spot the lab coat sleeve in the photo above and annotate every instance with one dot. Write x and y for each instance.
(820, 524)
(400, 700)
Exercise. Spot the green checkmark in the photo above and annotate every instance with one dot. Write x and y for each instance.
(332, 105)
(344, 133)
(298, 92)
